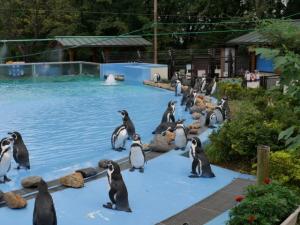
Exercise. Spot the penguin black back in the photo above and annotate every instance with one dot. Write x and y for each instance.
(44, 211)
(20, 152)
(168, 115)
(128, 123)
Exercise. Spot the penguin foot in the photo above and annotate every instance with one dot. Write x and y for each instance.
(177, 148)
(128, 138)
(193, 176)
(28, 167)
(6, 179)
(108, 205)
(18, 167)
(182, 149)
(131, 169)
(141, 170)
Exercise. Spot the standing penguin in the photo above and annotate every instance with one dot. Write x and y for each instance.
(211, 119)
(169, 113)
(180, 136)
(200, 166)
(191, 101)
(118, 192)
(5, 158)
(137, 156)
(119, 137)
(128, 123)
(20, 152)
(44, 211)
(178, 88)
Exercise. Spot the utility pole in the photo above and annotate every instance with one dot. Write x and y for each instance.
(155, 32)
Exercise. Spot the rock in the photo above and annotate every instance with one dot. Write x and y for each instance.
(160, 144)
(196, 116)
(31, 182)
(184, 88)
(170, 136)
(196, 125)
(103, 163)
(210, 106)
(1, 196)
(14, 201)
(87, 172)
(146, 147)
(193, 131)
(74, 180)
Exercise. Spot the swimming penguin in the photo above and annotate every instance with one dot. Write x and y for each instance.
(178, 88)
(200, 165)
(169, 113)
(5, 158)
(180, 136)
(44, 211)
(128, 123)
(118, 192)
(20, 152)
(119, 137)
(137, 157)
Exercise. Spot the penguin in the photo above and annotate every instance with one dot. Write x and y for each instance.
(164, 126)
(186, 95)
(20, 152)
(118, 192)
(119, 137)
(191, 101)
(211, 119)
(44, 211)
(203, 85)
(178, 88)
(128, 123)
(5, 158)
(137, 157)
(211, 87)
(168, 115)
(200, 165)
(181, 138)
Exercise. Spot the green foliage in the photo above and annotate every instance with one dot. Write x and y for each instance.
(264, 205)
(285, 168)
(237, 140)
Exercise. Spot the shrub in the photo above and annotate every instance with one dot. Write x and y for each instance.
(285, 168)
(264, 205)
(237, 140)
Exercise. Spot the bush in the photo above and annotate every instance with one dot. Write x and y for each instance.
(264, 205)
(285, 168)
(237, 140)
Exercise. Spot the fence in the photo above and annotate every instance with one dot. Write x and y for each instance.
(19, 69)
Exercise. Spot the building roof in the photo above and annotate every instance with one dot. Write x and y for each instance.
(252, 38)
(102, 41)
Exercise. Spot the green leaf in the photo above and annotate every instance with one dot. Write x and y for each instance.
(286, 133)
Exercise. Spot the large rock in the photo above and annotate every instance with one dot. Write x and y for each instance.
(196, 116)
(87, 172)
(210, 106)
(146, 147)
(193, 131)
(103, 163)
(74, 180)
(170, 137)
(195, 125)
(1, 196)
(160, 144)
(31, 182)
(14, 201)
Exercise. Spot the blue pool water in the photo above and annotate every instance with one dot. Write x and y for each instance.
(67, 125)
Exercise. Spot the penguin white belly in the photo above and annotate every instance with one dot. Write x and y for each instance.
(180, 138)
(121, 138)
(137, 158)
(5, 164)
(179, 89)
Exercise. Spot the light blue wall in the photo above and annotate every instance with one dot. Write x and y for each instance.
(133, 72)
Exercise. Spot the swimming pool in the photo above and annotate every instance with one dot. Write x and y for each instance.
(67, 123)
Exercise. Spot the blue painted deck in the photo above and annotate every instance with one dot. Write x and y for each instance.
(162, 191)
